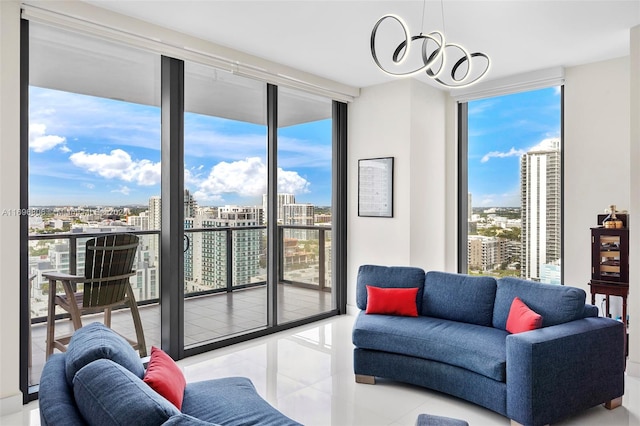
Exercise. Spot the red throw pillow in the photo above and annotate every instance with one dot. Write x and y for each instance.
(392, 301)
(521, 318)
(165, 377)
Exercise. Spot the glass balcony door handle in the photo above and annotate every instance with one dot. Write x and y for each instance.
(187, 243)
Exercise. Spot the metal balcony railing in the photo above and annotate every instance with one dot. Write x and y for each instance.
(217, 260)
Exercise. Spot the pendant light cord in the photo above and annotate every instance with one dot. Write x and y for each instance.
(424, 3)
(444, 30)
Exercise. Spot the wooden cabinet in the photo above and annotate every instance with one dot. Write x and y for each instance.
(610, 255)
(610, 267)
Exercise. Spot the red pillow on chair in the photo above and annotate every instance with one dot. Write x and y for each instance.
(522, 318)
(392, 301)
(165, 377)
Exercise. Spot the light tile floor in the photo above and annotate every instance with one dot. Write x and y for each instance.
(207, 318)
(306, 372)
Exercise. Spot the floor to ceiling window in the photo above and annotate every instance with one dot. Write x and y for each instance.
(98, 147)
(511, 198)
(304, 204)
(225, 175)
(94, 152)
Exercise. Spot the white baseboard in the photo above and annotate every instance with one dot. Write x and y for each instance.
(352, 310)
(10, 405)
(633, 368)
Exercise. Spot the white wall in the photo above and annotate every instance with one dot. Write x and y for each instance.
(633, 364)
(596, 158)
(404, 119)
(10, 396)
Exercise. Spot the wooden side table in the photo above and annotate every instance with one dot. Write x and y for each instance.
(612, 289)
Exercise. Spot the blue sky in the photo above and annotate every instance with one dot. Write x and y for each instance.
(501, 129)
(95, 151)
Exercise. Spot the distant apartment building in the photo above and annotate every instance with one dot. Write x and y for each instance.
(141, 221)
(540, 198)
(486, 253)
(206, 263)
(323, 219)
(299, 215)
(155, 212)
(283, 199)
(190, 204)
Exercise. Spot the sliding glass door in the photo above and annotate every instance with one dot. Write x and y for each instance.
(94, 168)
(225, 175)
(231, 178)
(304, 205)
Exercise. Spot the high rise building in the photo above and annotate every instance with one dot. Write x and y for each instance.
(208, 264)
(155, 212)
(540, 198)
(155, 222)
(190, 204)
(300, 215)
(282, 200)
(141, 221)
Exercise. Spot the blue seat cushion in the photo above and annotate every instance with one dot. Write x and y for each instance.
(459, 297)
(556, 303)
(97, 341)
(476, 348)
(231, 401)
(108, 394)
(57, 406)
(388, 277)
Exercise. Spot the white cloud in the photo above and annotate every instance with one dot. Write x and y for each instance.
(246, 178)
(119, 165)
(549, 144)
(123, 190)
(39, 141)
(497, 154)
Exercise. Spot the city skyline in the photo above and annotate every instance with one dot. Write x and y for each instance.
(501, 130)
(86, 150)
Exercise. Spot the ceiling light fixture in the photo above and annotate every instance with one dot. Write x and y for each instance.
(449, 64)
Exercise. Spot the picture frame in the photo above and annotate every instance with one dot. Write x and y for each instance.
(375, 187)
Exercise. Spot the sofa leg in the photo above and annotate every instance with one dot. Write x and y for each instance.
(367, 380)
(514, 423)
(614, 403)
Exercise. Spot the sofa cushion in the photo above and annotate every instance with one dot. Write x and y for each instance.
(186, 420)
(97, 341)
(476, 348)
(388, 276)
(459, 297)
(165, 377)
(231, 401)
(57, 406)
(521, 318)
(556, 303)
(109, 394)
(392, 301)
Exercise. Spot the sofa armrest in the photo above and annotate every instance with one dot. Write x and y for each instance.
(556, 371)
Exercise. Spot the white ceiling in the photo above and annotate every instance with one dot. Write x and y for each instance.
(331, 38)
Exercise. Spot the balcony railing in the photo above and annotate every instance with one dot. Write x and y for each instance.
(217, 260)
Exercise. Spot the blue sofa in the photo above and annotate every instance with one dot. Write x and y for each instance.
(98, 381)
(458, 344)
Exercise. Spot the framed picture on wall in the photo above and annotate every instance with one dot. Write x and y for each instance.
(375, 187)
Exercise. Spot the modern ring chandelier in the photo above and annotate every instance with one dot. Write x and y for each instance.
(449, 64)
